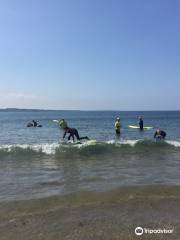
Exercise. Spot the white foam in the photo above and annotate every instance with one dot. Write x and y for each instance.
(174, 143)
(50, 148)
(111, 142)
(123, 142)
(45, 148)
(129, 142)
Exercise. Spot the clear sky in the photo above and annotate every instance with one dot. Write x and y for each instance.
(90, 54)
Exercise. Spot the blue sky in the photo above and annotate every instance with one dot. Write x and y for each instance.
(90, 54)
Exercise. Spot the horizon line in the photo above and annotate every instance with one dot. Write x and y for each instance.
(90, 110)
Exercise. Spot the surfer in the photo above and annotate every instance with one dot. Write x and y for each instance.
(33, 124)
(159, 134)
(117, 126)
(73, 132)
(141, 123)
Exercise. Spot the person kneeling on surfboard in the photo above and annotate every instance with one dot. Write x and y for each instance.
(117, 125)
(159, 134)
(141, 124)
(73, 132)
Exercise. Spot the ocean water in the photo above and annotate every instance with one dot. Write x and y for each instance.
(34, 162)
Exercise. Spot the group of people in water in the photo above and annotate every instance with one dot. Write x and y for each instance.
(33, 124)
(159, 134)
(73, 132)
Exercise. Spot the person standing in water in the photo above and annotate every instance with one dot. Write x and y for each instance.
(117, 126)
(141, 124)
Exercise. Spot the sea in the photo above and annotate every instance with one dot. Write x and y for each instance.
(36, 163)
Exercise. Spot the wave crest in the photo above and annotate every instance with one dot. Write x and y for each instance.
(53, 148)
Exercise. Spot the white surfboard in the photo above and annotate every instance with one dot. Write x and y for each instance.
(137, 127)
(82, 142)
(56, 121)
(90, 142)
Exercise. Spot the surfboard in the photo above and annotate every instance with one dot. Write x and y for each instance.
(56, 121)
(82, 142)
(90, 142)
(137, 127)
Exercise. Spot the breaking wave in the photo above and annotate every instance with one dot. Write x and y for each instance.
(107, 146)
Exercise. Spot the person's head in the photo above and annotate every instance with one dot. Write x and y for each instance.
(158, 130)
(62, 123)
(140, 117)
(33, 120)
(118, 119)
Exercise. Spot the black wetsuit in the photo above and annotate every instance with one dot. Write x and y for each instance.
(160, 135)
(141, 124)
(73, 132)
(118, 131)
(35, 123)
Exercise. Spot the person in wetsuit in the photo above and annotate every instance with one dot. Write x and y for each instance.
(141, 123)
(73, 132)
(117, 126)
(159, 134)
(34, 123)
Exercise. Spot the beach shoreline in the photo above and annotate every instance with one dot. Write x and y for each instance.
(94, 215)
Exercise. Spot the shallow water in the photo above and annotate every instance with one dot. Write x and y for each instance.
(34, 164)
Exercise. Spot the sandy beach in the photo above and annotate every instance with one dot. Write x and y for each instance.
(89, 215)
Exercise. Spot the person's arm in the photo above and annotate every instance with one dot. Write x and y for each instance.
(155, 134)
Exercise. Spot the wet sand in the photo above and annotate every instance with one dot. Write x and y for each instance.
(89, 215)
